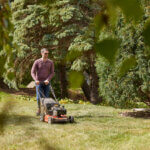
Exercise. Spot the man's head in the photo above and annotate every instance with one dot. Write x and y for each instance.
(44, 53)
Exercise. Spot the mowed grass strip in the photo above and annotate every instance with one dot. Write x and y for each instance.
(96, 128)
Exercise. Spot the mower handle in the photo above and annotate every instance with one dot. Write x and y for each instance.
(53, 93)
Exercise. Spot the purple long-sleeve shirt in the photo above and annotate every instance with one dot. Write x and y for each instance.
(42, 70)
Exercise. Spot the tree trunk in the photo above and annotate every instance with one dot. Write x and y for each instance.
(2, 84)
(86, 90)
(63, 81)
(94, 94)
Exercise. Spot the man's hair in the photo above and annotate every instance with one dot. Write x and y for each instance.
(43, 50)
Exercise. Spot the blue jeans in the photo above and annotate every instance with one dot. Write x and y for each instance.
(42, 90)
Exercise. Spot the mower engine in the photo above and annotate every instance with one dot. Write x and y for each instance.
(55, 109)
(52, 112)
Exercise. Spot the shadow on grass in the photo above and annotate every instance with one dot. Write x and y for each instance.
(90, 116)
(27, 124)
(137, 115)
(21, 119)
(44, 144)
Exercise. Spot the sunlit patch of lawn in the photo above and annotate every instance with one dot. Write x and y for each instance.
(96, 128)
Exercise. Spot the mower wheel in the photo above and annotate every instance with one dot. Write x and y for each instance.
(71, 119)
(50, 120)
(42, 117)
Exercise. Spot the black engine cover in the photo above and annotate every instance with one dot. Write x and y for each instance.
(55, 109)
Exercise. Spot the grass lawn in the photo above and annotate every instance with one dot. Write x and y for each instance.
(96, 128)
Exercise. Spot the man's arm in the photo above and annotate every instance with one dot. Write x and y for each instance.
(34, 70)
(51, 72)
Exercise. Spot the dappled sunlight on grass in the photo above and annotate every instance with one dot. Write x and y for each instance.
(96, 127)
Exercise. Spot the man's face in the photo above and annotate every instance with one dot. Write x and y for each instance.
(45, 54)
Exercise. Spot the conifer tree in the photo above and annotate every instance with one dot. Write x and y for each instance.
(53, 26)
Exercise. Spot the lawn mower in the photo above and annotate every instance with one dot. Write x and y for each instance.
(52, 111)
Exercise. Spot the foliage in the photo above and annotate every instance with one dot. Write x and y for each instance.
(76, 79)
(118, 33)
(69, 101)
(81, 44)
(38, 25)
(61, 101)
(104, 47)
(7, 71)
(58, 27)
(133, 86)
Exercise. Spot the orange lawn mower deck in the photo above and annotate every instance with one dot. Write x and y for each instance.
(52, 111)
(55, 119)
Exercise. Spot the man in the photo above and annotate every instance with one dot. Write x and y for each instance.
(42, 72)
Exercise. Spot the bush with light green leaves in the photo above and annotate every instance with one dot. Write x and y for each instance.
(128, 80)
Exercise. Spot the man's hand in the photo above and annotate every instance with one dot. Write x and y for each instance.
(46, 82)
(37, 82)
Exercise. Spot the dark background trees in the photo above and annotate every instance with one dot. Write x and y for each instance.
(104, 43)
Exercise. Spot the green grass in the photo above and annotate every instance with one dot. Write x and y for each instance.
(96, 128)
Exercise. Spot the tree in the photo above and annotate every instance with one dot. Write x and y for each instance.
(128, 81)
(53, 26)
(6, 56)
(84, 43)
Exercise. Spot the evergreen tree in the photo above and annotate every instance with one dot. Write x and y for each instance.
(134, 85)
(84, 43)
(53, 26)
(7, 73)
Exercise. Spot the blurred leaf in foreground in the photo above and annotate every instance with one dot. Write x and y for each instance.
(100, 20)
(131, 8)
(44, 144)
(73, 54)
(108, 49)
(146, 33)
(126, 65)
(75, 79)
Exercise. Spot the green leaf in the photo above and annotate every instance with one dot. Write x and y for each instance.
(11, 75)
(131, 8)
(108, 48)
(8, 49)
(100, 20)
(126, 65)
(146, 33)
(75, 79)
(72, 55)
(2, 62)
(46, 2)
